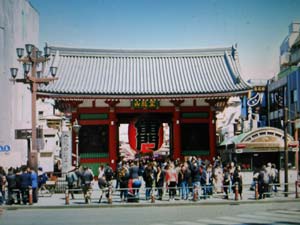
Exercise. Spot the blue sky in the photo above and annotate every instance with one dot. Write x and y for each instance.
(257, 26)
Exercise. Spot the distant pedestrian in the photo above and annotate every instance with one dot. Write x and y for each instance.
(274, 178)
(171, 180)
(238, 180)
(226, 182)
(72, 180)
(25, 183)
(34, 185)
(11, 185)
(123, 178)
(159, 179)
(87, 179)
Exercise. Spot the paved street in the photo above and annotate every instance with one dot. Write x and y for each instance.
(261, 213)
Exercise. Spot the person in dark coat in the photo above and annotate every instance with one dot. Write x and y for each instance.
(25, 183)
(159, 181)
(87, 179)
(196, 176)
(123, 178)
(148, 177)
(18, 173)
(134, 182)
(11, 185)
(2, 185)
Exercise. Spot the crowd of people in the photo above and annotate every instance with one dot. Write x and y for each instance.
(192, 178)
(19, 182)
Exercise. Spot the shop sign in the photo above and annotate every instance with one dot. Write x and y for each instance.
(145, 104)
(23, 133)
(4, 148)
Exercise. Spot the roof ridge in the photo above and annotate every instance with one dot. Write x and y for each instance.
(140, 52)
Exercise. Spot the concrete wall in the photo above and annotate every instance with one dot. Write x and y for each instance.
(19, 25)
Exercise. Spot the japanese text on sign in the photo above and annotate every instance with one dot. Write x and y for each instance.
(145, 104)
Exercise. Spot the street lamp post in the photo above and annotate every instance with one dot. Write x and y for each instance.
(76, 128)
(33, 76)
(286, 153)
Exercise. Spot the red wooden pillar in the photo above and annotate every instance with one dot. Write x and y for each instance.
(212, 133)
(112, 151)
(176, 129)
(212, 128)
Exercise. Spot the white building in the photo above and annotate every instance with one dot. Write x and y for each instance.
(19, 24)
(285, 49)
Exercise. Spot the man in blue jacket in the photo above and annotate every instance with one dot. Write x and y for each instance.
(34, 185)
(25, 183)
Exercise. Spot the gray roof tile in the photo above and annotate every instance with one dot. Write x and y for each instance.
(144, 72)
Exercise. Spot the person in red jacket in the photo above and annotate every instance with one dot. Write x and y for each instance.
(171, 180)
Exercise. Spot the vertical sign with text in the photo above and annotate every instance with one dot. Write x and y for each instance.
(66, 151)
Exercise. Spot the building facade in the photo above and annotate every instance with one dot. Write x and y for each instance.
(19, 25)
(102, 89)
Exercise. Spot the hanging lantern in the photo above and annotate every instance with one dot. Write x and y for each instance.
(145, 135)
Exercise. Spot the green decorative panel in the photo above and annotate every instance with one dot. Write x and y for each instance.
(93, 155)
(195, 153)
(94, 116)
(199, 115)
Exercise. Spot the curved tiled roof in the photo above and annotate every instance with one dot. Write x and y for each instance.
(145, 72)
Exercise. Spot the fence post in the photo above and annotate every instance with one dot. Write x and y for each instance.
(110, 194)
(296, 188)
(152, 193)
(195, 194)
(236, 197)
(256, 190)
(30, 195)
(67, 197)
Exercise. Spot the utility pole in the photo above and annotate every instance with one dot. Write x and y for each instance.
(286, 153)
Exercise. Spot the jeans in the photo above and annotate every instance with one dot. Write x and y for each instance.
(197, 188)
(148, 192)
(184, 190)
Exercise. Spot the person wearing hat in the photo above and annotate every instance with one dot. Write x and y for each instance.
(87, 179)
(72, 179)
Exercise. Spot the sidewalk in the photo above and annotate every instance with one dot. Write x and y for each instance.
(58, 200)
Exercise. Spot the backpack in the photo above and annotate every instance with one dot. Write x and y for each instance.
(108, 173)
(121, 173)
(266, 178)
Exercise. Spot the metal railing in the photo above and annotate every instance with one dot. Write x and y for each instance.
(195, 193)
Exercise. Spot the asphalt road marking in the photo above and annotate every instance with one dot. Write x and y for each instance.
(272, 217)
(187, 223)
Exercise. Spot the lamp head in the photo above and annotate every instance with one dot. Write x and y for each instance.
(29, 48)
(26, 67)
(14, 72)
(46, 51)
(20, 52)
(53, 70)
(76, 127)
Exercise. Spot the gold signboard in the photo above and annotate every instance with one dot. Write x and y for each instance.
(145, 104)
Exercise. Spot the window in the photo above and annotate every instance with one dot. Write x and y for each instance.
(294, 97)
(93, 139)
(195, 139)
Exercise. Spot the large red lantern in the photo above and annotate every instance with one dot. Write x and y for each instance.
(145, 135)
